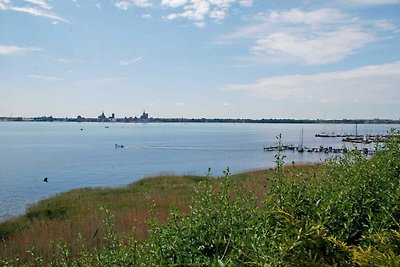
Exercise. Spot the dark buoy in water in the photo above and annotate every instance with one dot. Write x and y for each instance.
(45, 179)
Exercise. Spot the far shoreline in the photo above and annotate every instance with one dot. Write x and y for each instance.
(80, 119)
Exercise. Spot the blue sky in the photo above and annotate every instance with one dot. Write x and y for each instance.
(200, 58)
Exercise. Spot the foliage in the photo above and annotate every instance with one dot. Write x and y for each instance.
(214, 231)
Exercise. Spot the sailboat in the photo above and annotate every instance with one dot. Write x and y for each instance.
(300, 148)
(357, 138)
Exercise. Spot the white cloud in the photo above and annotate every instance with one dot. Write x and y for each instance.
(122, 5)
(315, 17)
(293, 21)
(385, 25)
(218, 15)
(15, 50)
(171, 16)
(46, 78)
(99, 6)
(221, 3)
(146, 16)
(37, 12)
(125, 4)
(200, 24)
(173, 3)
(40, 3)
(315, 49)
(130, 61)
(370, 85)
(314, 37)
(40, 8)
(246, 3)
(198, 11)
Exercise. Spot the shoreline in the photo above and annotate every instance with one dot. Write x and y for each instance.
(201, 120)
(160, 175)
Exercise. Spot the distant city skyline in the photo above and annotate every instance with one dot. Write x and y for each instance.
(200, 58)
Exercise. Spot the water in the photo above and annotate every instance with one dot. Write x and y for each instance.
(75, 158)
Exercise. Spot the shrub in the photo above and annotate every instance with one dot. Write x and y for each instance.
(214, 231)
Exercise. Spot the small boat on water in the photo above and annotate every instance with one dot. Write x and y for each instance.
(119, 146)
(357, 139)
(323, 134)
(300, 149)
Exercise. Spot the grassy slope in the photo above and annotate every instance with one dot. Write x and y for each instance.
(78, 211)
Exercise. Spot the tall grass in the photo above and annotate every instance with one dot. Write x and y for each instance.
(77, 211)
(342, 213)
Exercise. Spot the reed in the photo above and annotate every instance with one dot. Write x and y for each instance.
(75, 213)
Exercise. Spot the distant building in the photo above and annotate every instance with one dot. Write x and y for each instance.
(80, 118)
(145, 116)
(112, 118)
(102, 117)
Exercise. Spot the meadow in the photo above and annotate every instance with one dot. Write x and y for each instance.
(343, 212)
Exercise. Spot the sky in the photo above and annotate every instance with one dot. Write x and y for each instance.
(200, 58)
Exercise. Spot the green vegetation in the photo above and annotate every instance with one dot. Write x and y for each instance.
(344, 212)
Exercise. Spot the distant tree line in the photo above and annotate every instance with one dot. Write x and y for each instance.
(204, 120)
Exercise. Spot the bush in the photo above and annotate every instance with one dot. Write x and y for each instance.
(214, 231)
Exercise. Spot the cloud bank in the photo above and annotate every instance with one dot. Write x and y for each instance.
(315, 37)
(370, 85)
(195, 11)
(198, 11)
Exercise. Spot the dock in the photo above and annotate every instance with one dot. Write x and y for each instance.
(319, 149)
(356, 138)
(279, 148)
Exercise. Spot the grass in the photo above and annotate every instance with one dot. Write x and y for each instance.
(341, 213)
(77, 211)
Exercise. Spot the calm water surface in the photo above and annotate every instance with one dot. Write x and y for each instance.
(74, 158)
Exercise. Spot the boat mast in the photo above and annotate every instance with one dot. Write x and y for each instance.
(302, 136)
(356, 130)
(300, 148)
